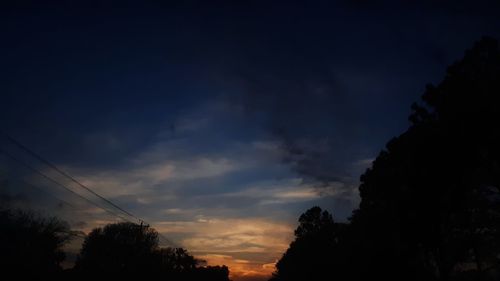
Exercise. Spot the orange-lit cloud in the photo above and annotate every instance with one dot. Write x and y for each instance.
(249, 247)
(241, 270)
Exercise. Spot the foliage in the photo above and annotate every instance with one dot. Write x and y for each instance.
(436, 186)
(129, 251)
(118, 248)
(430, 204)
(31, 245)
(310, 254)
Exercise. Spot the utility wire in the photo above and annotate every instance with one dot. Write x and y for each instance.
(72, 233)
(46, 162)
(166, 240)
(41, 189)
(78, 234)
(61, 185)
(51, 194)
(32, 153)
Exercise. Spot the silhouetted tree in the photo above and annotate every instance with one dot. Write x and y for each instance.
(175, 264)
(176, 260)
(311, 255)
(131, 251)
(30, 245)
(430, 203)
(121, 248)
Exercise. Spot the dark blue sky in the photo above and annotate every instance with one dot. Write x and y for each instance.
(227, 112)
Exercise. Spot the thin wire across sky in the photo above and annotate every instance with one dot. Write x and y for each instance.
(107, 205)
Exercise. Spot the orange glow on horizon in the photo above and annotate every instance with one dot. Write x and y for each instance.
(249, 247)
(241, 270)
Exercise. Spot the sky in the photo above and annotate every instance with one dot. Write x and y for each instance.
(218, 122)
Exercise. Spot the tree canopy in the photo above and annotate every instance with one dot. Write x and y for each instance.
(430, 203)
(309, 256)
(128, 251)
(124, 248)
(432, 195)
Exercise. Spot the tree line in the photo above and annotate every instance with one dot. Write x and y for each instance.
(430, 203)
(31, 248)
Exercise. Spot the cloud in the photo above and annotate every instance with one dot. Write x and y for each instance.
(250, 247)
(225, 235)
(241, 269)
(190, 169)
(136, 180)
(281, 192)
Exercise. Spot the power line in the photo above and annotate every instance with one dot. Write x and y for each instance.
(61, 185)
(51, 194)
(32, 153)
(78, 234)
(166, 240)
(41, 189)
(72, 233)
(48, 163)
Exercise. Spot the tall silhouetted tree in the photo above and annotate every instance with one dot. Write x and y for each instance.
(430, 203)
(30, 245)
(310, 255)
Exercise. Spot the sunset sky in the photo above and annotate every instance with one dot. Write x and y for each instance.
(218, 123)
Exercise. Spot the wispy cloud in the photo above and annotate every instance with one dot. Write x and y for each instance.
(250, 247)
(245, 270)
